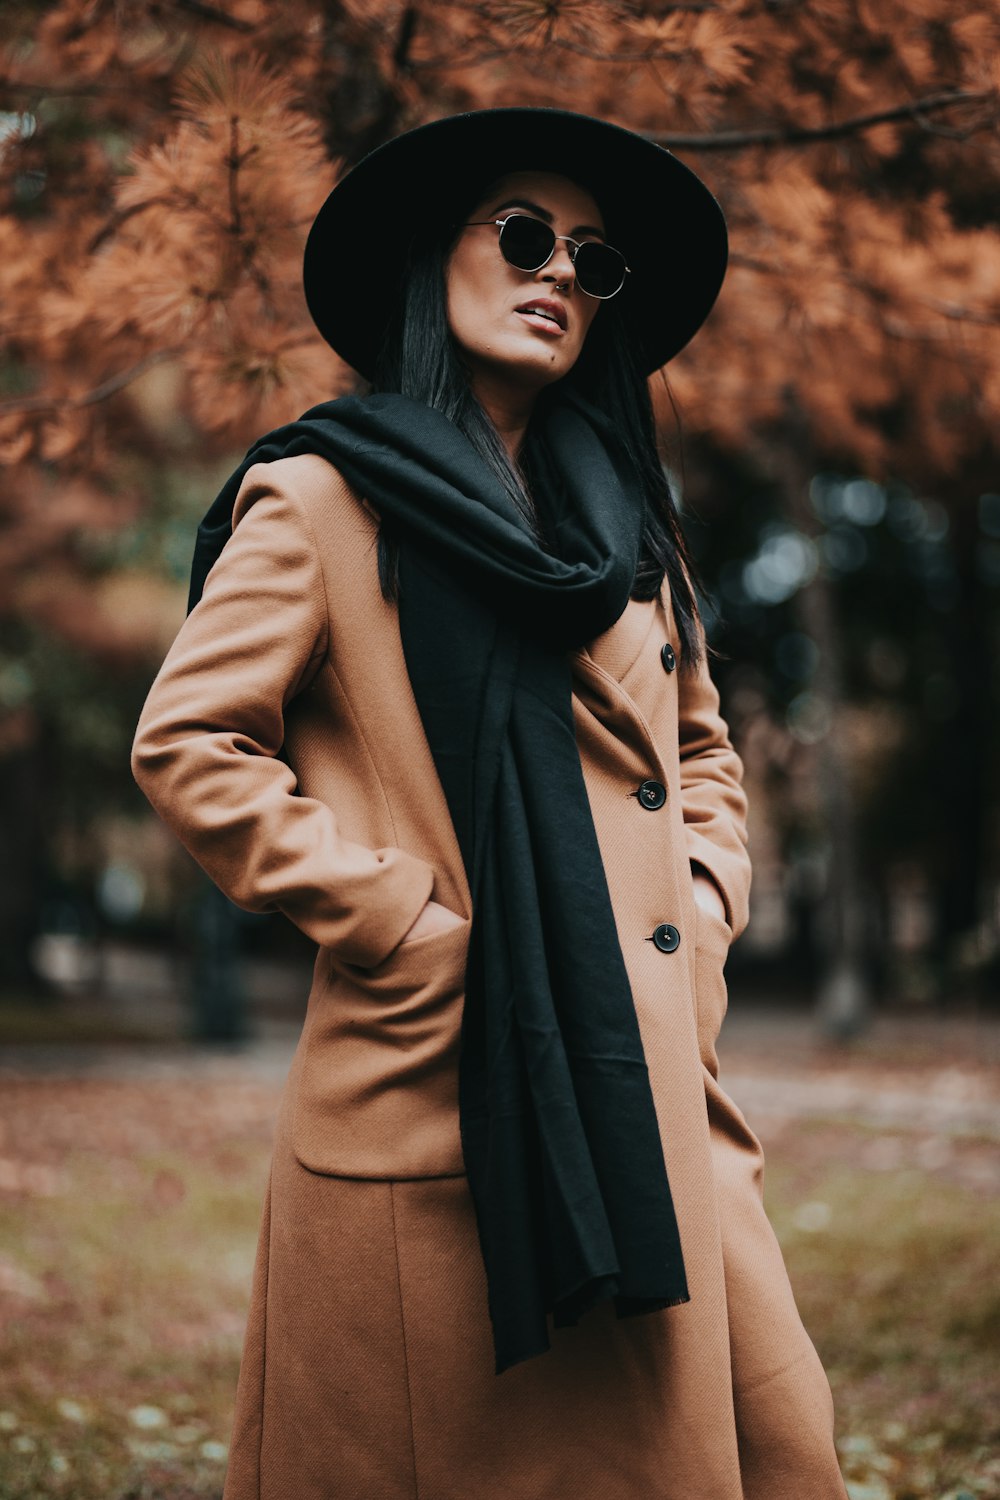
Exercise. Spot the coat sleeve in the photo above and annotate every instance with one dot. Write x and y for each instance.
(205, 747)
(712, 797)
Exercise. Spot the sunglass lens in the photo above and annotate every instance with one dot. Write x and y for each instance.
(600, 270)
(526, 243)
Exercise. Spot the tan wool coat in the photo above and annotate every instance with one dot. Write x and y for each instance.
(367, 1368)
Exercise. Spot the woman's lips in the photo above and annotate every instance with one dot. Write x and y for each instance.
(545, 325)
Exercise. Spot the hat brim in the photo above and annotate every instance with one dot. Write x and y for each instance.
(657, 211)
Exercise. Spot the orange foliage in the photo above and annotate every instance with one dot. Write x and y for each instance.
(160, 165)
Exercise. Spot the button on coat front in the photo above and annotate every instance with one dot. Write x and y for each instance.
(652, 794)
(666, 937)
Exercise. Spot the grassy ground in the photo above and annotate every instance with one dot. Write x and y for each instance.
(128, 1218)
(894, 1270)
(127, 1233)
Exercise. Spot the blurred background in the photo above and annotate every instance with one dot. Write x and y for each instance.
(833, 435)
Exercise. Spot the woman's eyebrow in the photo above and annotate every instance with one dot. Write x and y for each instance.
(543, 213)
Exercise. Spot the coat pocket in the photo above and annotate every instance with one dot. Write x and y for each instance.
(376, 1094)
(713, 936)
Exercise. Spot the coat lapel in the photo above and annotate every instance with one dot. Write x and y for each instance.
(619, 647)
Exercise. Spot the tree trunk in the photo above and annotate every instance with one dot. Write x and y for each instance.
(843, 1000)
(23, 868)
(219, 1010)
(959, 784)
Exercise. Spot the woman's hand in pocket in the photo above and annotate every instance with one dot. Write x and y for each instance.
(707, 894)
(433, 918)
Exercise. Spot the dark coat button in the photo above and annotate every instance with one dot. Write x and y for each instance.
(668, 657)
(666, 937)
(652, 794)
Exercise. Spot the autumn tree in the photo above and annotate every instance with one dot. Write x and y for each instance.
(160, 163)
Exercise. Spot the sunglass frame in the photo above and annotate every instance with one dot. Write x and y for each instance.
(577, 244)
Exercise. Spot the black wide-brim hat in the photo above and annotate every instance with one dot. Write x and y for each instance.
(657, 212)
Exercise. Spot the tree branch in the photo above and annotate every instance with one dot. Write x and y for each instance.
(121, 216)
(404, 40)
(448, 60)
(790, 135)
(625, 12)
(960, 314)
(954, 312)
(114, 383)
(233, 164)
(214, 15)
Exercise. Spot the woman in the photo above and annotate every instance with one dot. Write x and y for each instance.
(442, 697)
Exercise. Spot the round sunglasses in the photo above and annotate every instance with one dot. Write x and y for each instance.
(529, 244)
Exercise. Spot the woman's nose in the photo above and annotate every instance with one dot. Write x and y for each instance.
(560, 268)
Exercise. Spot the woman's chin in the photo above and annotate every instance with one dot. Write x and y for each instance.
(525, 365)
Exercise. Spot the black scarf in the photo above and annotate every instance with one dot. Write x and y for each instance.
(558, 1125)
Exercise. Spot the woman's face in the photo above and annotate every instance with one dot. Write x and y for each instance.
(501, 346)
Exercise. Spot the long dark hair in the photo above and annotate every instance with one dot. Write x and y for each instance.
(419, 358)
